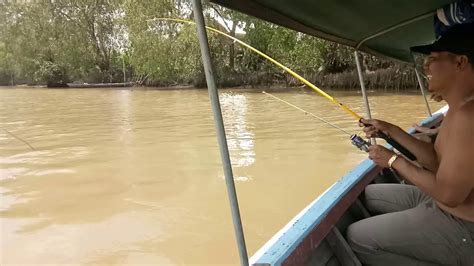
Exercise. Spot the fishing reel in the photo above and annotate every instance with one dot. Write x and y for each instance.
(364, 145)
(360, 143)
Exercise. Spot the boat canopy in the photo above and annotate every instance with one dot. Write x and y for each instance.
(383, 28)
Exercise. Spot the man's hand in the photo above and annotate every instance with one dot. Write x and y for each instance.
(437, 97)
(425, 130)
(380, 155)
(371, 126)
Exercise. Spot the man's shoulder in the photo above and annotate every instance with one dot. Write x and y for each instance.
(466, 110)
(463, 117)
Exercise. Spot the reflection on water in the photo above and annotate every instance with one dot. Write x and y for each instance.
(123, 177)
(123, 112)
(239, 139)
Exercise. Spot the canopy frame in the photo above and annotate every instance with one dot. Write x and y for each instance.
(220, 130)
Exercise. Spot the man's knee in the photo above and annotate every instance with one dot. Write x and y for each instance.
(372, 191)
(374, 198)
(359, 238)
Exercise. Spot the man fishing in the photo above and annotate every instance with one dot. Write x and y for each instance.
(432, 222)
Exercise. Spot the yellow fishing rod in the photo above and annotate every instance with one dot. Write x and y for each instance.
(294, 74)
(391, 141)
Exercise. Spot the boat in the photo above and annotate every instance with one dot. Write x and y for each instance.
(316, 235)
(100, 85)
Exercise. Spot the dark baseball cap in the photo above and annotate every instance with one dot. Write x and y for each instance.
(459, 39)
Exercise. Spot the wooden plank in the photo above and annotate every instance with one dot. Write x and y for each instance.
(362, 208)
(333, 262)
(342, 249)
(321, 256)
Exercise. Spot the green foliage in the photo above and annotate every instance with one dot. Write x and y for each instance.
(308, 54)
(47, 38)
(54, 74)
(53, 42)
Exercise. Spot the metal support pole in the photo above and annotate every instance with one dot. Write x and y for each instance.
(422, 85)
(216, 109)
(362, 87)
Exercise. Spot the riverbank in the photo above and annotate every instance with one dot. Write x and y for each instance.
(390, 79)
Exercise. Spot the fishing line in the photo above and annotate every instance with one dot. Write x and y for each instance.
(18, 138)
(308, 113)
(357, 141)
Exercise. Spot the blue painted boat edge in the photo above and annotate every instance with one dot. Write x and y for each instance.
(309, 218)
(281, 245)
(256, 257)
(436, 117)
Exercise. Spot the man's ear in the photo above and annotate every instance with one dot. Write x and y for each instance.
(462, 62)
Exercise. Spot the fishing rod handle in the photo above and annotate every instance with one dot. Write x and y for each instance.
(397, 146)
(394, 143)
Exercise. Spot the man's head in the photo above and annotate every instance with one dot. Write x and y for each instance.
(450, 58)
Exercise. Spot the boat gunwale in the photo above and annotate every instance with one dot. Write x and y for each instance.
(288, 246)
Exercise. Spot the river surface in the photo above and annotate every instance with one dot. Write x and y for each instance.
(127, 177)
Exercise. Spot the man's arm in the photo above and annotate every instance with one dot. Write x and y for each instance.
(454, 179)
(423, 151)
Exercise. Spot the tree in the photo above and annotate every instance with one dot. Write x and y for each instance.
(228, 20)
(55, 42)
(98, 23)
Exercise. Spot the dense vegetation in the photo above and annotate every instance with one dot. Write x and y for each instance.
(55, 42)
